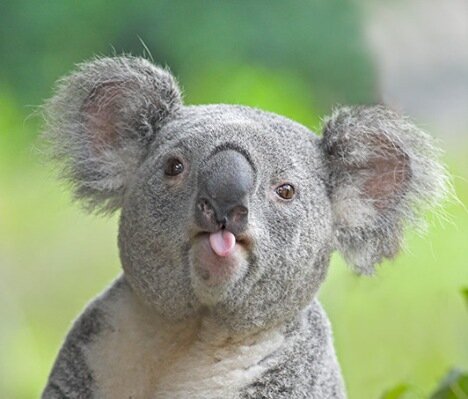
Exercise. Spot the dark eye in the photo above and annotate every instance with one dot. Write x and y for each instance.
(285, 191)
(174, 167)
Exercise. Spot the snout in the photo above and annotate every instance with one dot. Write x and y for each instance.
(221, 213)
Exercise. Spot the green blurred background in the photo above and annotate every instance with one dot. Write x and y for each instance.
(407, 325)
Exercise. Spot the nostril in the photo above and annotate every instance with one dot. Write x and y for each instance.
(224, 222)
(239, 213)
(204, 205)
(206, 212)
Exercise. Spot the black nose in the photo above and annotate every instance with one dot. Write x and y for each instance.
(225, 182)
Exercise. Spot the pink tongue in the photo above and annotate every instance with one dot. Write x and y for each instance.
(222, 242)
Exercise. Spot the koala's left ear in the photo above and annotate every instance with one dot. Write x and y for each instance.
(382, 172)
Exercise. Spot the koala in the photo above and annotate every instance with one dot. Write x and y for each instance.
(228, 218)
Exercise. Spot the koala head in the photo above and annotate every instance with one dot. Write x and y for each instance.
(229, 209)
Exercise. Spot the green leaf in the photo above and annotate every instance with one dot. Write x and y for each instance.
(453, 386)
(464, 292)
(397, 392)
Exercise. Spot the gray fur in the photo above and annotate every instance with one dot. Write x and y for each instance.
(114, 124)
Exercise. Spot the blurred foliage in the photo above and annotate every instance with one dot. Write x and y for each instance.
(297, 58)
(399, 392)
(454, 386)
(317, 41)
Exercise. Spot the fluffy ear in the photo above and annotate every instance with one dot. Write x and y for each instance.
(101, 121)
(383, 172)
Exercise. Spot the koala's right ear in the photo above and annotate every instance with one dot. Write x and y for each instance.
(101, 121)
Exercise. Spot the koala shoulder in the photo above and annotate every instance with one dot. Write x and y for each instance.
(71, 377)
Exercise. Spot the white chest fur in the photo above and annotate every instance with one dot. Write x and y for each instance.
(144, 358)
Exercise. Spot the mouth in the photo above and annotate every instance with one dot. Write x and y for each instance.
(219, 258)
(224, 243)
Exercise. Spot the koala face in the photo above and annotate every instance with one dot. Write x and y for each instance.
(231, 163)
(227, 209)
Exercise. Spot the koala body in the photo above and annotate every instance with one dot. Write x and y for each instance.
(229, 216)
